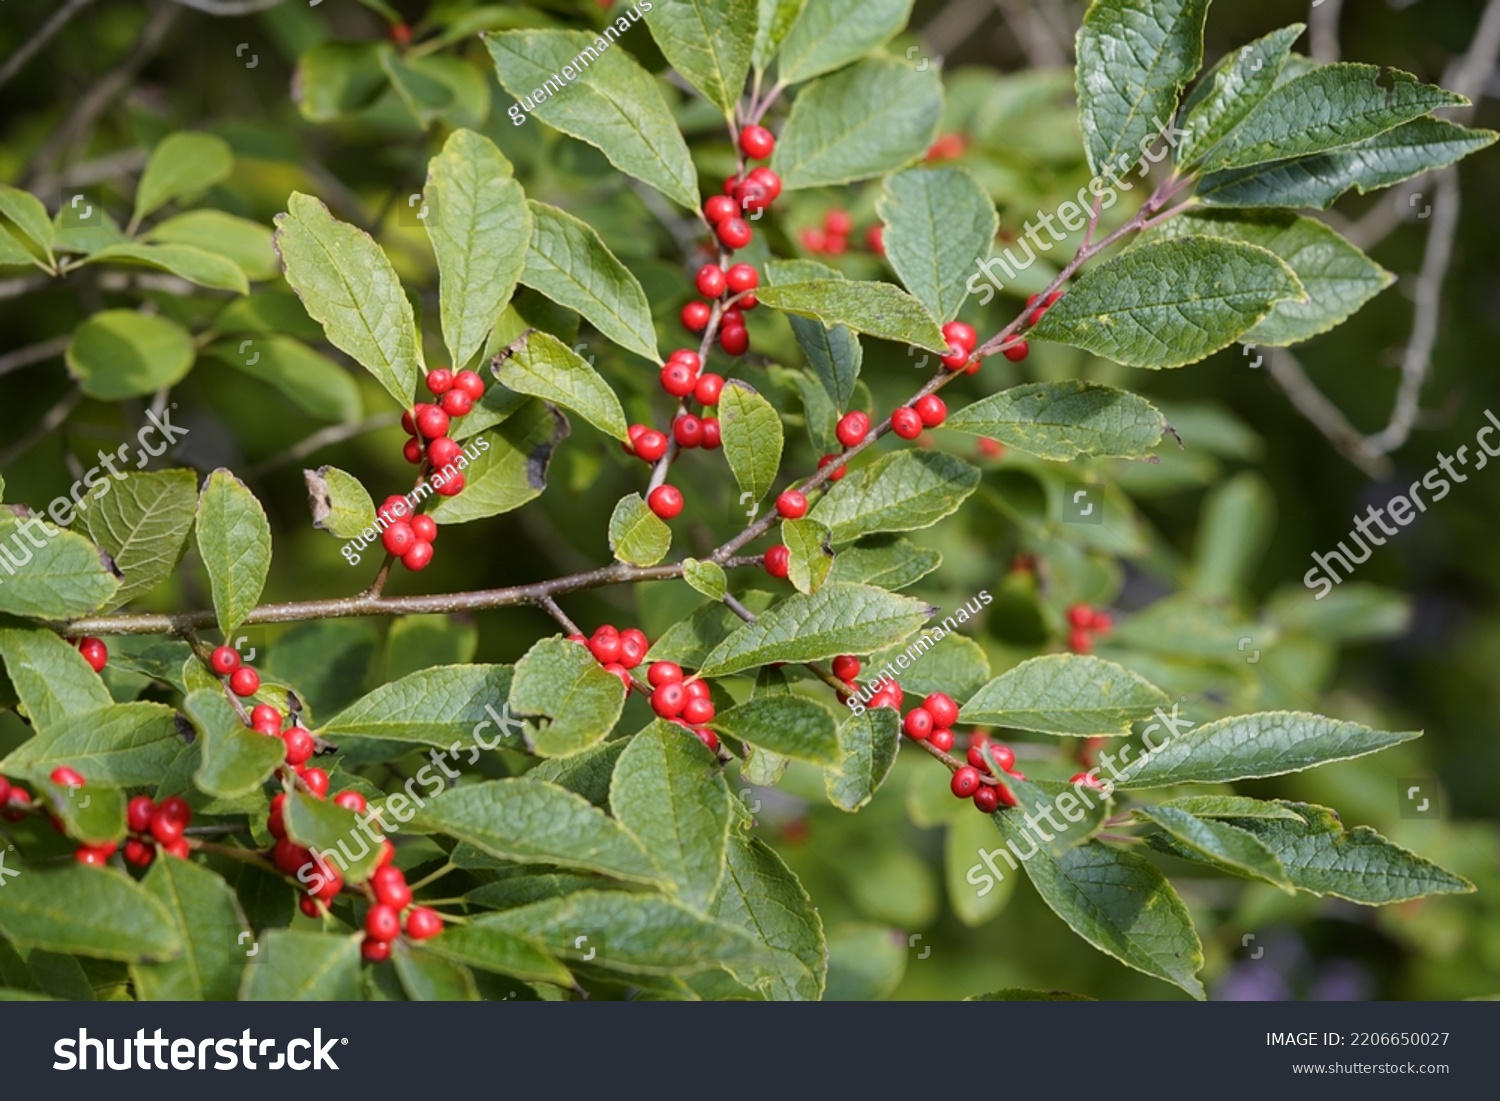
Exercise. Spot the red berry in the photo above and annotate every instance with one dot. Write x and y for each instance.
(651, 445)
(391, 888)
(837, 474)
(717, 208)
(1080, 642)
(329, 888)
(852, 429)
(383, 922)
(224, 660)
(875, 239)
(65, 777)
(439, 381)
(838, 223)
(742, 277)
(431, 421)
(918, 724)
(710, 281)
(398, 539)
(1102, 623)
(956, 332)
(663, 672)
(1017, 351)
(932, 409)
(139, 853)
(271, 729)
(1004, 756)
(713, 436)
(965, 782)
(779, 561)
(732, 316)
(733, 233)
(425, 528)
(906, 423)
(665, 501)
(400, 34)
(456, 403)
(452, 485)
(955, 361)
(605, 647)
(165, 828)
(734, 339)
(753, 196)
(707, 737)
(316, 780)
(1087, 780)
(138, 813)
(375, 951)
(309, 906)
(290, 857)
(747, 301)
(1081, 616)
(987, 798)
(677, 379)
(941, 739)
(814, 240)
(423, 924)
(618, 670)
(406, 423)
(846, 667)
(792, 505)
(418, 558)
(387, 853)
(688, 356)
(632, 652)
(276, 819)
(695, 316)
(17, 802)
(634, 637)
(178, 848)
(697, 689)
(687, 430)
(393, 508)
(88, 854)
(698, 711)
(990, 448)
(973, 367)
(469, 382)
(265, 715)
(757, 142)
(708, 388)
(767, 179)
(244, 681)
(352, 800)
(944, 710)
(95, 653)
(669, 699)
(412, 451)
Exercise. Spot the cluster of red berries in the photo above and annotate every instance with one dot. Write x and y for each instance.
(151, 827)
(93, 650)
(832, 239)
(684, 702)
(1086, 623)
(792, 505)
(428, 425)
(411, 540)
(383, 920)
(618, 651)
(680, 378)
(976, 781)
(15, 801)
(226, 662)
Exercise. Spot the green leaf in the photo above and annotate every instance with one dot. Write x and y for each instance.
(29, 216)
(689, 641)
(1072, 695)
(1019, 994)
(432, 707)
(812, 554)
(751, 432)
(1231, 90)
(1231, 806)
(1117, 901)
(763, 898)
(1316, 181)
(236, 760)
(612, 103)
(1217, 844)
(776, 18)
(569, 263)
(511, 468)
(669, 791)
(872, 117)
(340, 503)
(707, 577)
(123, 354)
(902, 491)
(332, 833)
(960, 668)
(299, 966)
(562, 681)
(837, 619)
(885, 561)
(478, 222)
(547, 368)
(205, 912)
(831, 33)
(234, 541)
(792, 726)
(867, 749)
(637, 535)
(420, 642)
(196, 265)
(1249, 747)
(348, 286)
(335, 79)
(938, 223)
(1169, 303)
(866, 307)
(94, 912)
(422, 93)
(1331, 107)
(834, 354)
(91, 814)
(532, 822)
(143, 522)
(50, 677)
(429, 977)
(51, 573)
(501, 952)
(1134, 57)
(634, 933)
(125, 744)
(587, 773)
(12, 253)
(1337, 277)
(245, 243)
(964, 842)
(708, 42)
(183, 164)
(1062, 421)
(1359, 865)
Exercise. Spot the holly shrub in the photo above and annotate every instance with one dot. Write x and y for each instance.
(695, 362)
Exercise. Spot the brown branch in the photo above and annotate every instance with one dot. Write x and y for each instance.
(38, 42)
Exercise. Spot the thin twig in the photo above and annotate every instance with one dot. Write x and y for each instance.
(34, 353)
(326, 437)
(228, 7)
(1323, 30)
(1033, 32)
(14, 288)
(45, 427)
(38, 42)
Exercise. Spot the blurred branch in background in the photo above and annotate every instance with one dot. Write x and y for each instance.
(37, 42)
(1468, 75)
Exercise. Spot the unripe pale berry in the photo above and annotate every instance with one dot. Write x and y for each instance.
(665, 501)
